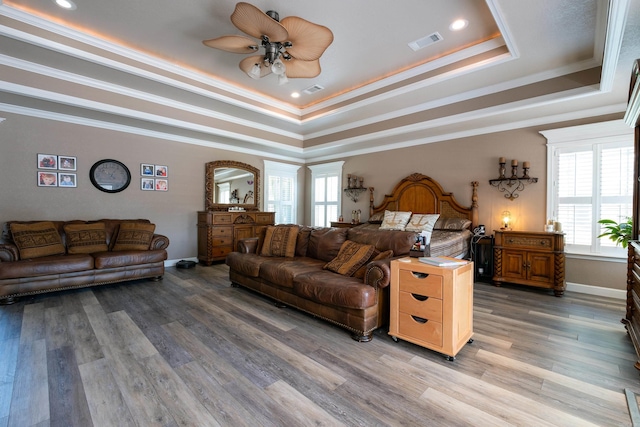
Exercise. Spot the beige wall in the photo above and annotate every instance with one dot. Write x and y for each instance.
(173, 212)
(453, 163)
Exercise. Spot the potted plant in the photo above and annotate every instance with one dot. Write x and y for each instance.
(620, 233)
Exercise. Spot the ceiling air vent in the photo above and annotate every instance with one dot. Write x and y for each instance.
(313, 89)
(425, 41)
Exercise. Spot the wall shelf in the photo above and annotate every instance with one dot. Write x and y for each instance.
(354, 193)
(510, 186)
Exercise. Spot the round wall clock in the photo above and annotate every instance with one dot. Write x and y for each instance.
(110, 176)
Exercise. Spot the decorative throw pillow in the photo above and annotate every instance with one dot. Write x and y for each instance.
(134, 236)
(376, 218)
(86, 238)
(350, 258)
(377, 255)
(280, 240)
(37, 239)
(395, 220)
(422, 222)
(452, 224)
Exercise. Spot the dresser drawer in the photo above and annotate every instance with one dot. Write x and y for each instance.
(419, 328)
(429, 285)
(221, 231)
(222, 218)
(528, 242)
(264, 218)
(220, 251)
(222, 241)
(421, 306)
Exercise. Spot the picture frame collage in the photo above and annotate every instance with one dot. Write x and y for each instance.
(57, 171)
(154, 177)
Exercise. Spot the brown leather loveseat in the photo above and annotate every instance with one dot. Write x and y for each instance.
(337, 274)
(45, 256)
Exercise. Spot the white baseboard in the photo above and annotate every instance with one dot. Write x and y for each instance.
(172, 262)
(597, 290)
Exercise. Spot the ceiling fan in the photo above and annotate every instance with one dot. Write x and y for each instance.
(292, 48)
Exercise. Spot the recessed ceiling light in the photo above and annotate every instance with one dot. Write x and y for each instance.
(66, 4)
(295, 95)
(458, 24)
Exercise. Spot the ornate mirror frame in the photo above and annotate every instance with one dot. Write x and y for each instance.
(209, 186)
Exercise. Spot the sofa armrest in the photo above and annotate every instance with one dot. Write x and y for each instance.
(9, 252)
(158, 241)
(248, 245)
(378, 273)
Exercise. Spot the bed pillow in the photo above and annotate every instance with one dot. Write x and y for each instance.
(38, 239)
(376, 218)
(395, 220)
(86, 238)
(280, 240)
(455, 224)
(422, 222)
(350, 258)
(134, 236)
(375, 256)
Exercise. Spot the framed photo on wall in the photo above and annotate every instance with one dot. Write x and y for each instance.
(47, 161)
(147, 184)
(146, 169)
(162, 185)
(66, 163)
(47, 179)
(162, 171)
(67, 180)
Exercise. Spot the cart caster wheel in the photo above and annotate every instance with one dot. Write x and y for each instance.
(470, 341)
(451, 358)
(395, 339)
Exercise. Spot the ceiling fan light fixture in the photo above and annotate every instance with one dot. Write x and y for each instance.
(278, 68)
(282, 79)
(254, 73)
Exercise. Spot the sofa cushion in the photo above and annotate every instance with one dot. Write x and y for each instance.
(325, 242)
(280, 240)
(54, 264)
(37, 239)
(302, 242)
(400, 242)
(375, 256)
(351, 257)
(327, 287)
(124, 258)
(246, 264)
(86, 238)
(282, 271)
(395, 220)
(134, 236)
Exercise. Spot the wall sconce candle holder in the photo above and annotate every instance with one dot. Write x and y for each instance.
(513, 184)
(355, 186)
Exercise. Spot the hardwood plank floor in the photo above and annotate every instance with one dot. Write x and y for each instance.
(191, 350)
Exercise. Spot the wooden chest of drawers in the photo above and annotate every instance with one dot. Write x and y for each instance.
(431, 306)
(530, 258)
(219, 232)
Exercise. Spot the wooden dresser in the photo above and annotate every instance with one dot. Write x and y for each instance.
(529, 258)
(431, 306)
(219, 231)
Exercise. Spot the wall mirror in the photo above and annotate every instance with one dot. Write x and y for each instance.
(229, 183)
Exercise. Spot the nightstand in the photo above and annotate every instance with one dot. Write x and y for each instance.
(431, 306)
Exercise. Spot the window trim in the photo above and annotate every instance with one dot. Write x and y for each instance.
(325, 168)
(610, 132)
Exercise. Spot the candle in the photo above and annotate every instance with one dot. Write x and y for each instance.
(502, 160)
(514, 162)
(526, 165)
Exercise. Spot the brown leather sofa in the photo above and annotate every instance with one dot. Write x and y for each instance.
(115, 254)
(357, 304)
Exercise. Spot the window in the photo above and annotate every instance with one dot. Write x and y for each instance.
(224, 192)
(326, 195)
(281, 183)
(590, 177)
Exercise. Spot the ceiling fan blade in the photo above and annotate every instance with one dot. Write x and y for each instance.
(235, 44)
(251, 20)
(247, 64)
(297, 68)
(309, 40)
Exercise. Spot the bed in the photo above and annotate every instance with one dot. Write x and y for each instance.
(420, 194)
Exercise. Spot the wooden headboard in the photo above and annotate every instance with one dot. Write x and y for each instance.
(420, 194)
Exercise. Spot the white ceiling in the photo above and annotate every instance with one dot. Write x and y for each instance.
(140, 66)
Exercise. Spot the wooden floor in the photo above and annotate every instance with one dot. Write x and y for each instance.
(191, 350)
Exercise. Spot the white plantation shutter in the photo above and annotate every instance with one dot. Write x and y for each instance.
(590, 176)
(326, 192)
(281, 191)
